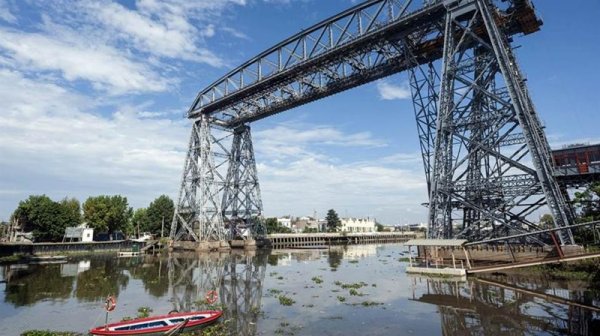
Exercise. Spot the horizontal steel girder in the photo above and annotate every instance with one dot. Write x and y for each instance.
(360, 45)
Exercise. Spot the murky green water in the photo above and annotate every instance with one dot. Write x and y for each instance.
(358, 290)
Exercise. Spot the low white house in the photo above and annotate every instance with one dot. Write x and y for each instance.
(285, 221)
(358, 225)
(81, 233)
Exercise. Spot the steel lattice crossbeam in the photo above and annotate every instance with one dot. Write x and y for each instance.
(359, 45)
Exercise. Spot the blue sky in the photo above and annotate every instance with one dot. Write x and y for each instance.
(93, 95)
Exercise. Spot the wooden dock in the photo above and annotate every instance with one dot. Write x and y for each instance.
(456, 256)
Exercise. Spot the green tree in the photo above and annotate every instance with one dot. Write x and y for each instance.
(273, 226)
(3, 229)
(546, 221)
(333, 221)
(44, 217)
(587, 207)
(73, 209)
(138, 223)
(160, 209)
(107, 213)
(587, 203)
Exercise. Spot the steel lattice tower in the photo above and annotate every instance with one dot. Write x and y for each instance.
(198, 214)
(487, 131)
(242, 204)
(220, 195)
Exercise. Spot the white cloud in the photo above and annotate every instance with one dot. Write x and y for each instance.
(117, 49)
(161, 29)
(5, 13)
(53, 142)
(389, 91)
(355, 189)
(298, 174)
(104, 67)
(236, 33)
(56, 144)
(56, 141)
(284, 141)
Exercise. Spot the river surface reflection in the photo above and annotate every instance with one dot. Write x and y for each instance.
(356, 290)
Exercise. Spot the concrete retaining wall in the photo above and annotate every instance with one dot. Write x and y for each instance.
(327, 239)
(55, 248)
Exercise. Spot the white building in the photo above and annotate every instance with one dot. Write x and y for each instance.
(79, 233)
(285, 221)
(358, 225)
(303, 223)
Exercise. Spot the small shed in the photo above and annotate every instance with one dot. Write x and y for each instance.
(428, 262)
(81, 233)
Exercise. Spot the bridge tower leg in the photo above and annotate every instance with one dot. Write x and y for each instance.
(487, 131)
(424, 83)
(198, 214)
(242, 204)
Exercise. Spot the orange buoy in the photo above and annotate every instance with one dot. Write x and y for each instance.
(110, 304)
(211, 296)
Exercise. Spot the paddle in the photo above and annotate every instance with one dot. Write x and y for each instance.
(177, 329)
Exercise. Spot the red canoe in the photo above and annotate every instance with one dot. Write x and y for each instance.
(159, 325)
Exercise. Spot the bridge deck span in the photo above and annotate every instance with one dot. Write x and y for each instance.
(364, 43)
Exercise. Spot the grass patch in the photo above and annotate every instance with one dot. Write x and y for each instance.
(404, 259)
(341, 298)
(355, 285)
(317, 280)
(12, 259)
(354, 292)
(144, 312)
(274, 291)
(218, 329)
(584, 270)
(49, 333)
(370, 303)
(286, 301)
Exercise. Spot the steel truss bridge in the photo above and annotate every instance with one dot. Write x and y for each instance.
(487, 160)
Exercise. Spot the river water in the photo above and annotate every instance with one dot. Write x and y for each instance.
(353, 290)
